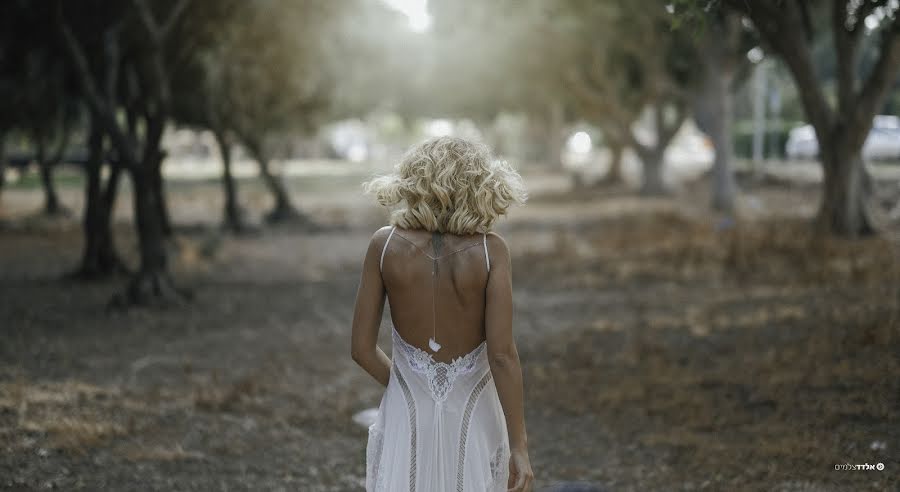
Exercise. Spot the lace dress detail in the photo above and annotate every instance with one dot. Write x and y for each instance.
(373, 459)
(440, 375)
(499, 466)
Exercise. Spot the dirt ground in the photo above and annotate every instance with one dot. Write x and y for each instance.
(664, 348)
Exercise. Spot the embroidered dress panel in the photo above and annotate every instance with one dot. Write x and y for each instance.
(440, 375)
(440, 426)
(413, 442)
(464, 431)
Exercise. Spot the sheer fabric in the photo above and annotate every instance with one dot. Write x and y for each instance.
(440, 425)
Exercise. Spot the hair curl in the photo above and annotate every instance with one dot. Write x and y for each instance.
(449, 184)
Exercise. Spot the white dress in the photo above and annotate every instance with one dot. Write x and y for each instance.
(440, 426)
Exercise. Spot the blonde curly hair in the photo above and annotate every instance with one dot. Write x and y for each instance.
(449, 184)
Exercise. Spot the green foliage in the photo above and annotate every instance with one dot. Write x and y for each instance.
(774, 138)
(692, 15)
(893, 104)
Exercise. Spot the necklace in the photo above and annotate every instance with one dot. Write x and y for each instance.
(437, 240)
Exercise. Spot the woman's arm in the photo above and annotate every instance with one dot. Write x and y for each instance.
(367, 314)
(504, 358)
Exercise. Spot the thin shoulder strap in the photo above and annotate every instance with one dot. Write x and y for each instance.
(487, 257)
(384, 249)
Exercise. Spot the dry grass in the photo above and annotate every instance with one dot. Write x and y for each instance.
(70, 415)
(780, 250)
(73, 434)
(219, 398)
(163, 454)
(763, 351)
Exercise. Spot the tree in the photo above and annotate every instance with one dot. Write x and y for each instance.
(202, 88)
(263, 72)
(48, 116)
(632, 61)
(39, 94)
(41, 99)
(788, 28)
(723, 43)
(100, 258)
(137, 152)
(7, 87)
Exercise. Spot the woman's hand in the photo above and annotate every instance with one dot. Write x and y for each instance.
(520, 474)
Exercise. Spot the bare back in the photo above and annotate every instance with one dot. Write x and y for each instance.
(435, 284)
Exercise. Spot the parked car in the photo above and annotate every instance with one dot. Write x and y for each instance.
(882, 143)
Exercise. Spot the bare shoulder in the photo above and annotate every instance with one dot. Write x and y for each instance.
(497, 246)
(379, 238)
(382, 233)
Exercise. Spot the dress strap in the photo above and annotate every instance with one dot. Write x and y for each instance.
(384, 249)
(487, 258)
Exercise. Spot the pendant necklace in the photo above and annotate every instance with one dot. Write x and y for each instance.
(436, 243)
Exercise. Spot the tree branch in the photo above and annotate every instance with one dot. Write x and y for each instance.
(600, 102)
(104, 110)
(158, 33)
(778, 27)
(65, 130)
(845, 44)
(174, 17)
(806, 19)
(667, 131)
(881, 78)
(112, 53)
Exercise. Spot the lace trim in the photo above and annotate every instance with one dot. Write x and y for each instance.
(413, 436)
(440, 375)
(464, 433)
(500, 466)
(373, 459)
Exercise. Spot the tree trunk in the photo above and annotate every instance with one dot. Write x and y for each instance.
(151, 170)
(653, 156)
(45, 167)
(614, 174)
(713, 104)
(232, 212)
(51, 199)
(157, 184)
(152, 283)
(843, 210)
(151, 234)
(556, 140)
(2, 160)
(284, 210)
(100, 259)
(724, 187)
(652, 183)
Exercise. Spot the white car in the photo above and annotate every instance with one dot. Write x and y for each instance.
(883, 141)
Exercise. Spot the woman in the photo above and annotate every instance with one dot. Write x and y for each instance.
(451, 418)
